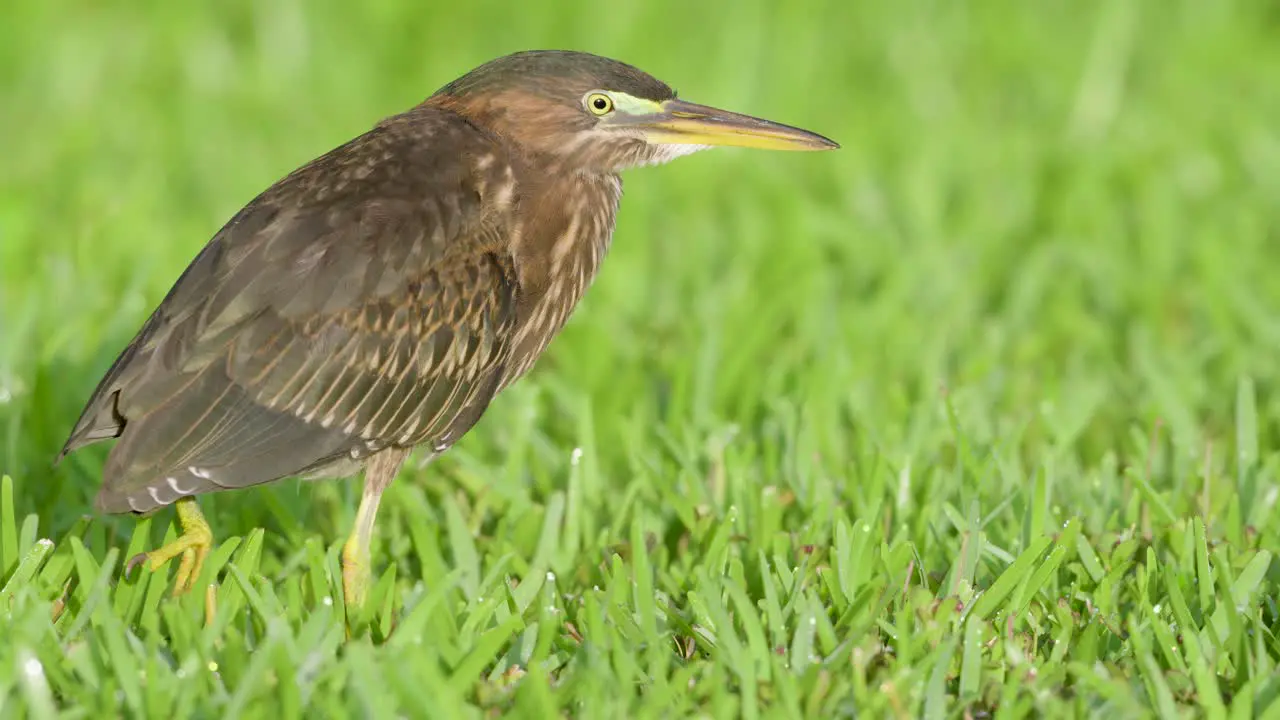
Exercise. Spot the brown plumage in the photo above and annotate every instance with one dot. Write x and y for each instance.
(377, 298)
(339, 313)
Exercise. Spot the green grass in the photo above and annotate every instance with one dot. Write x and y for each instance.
(980, 414)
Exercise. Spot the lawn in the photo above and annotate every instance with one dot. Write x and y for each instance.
(978, 415)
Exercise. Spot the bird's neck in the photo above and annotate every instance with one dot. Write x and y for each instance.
(566, 224)
(567, 220)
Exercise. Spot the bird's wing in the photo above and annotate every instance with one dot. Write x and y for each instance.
(365, 300)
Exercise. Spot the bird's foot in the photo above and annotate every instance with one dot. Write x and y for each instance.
(193, 545)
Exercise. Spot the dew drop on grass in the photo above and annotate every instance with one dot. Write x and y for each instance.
(213, 666)
(576, 456)
(551, 577)
(328, 601)
(32, 668)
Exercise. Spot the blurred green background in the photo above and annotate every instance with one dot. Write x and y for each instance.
(1038, 280)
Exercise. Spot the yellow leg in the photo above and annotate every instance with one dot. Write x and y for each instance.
(193, 545)
(355, 553)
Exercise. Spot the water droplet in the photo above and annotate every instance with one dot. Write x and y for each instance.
(32, 668)
(576, 456)
(551, 577)
(326, 601)
(213, 666)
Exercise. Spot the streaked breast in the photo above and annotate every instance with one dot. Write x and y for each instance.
(559, 256)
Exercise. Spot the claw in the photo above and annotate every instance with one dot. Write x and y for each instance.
(133, 564)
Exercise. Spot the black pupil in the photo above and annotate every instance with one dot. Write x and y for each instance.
(601, 103)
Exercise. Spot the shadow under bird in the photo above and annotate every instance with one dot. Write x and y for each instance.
(376, 299)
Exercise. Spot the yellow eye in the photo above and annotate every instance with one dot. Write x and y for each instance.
(599, 104)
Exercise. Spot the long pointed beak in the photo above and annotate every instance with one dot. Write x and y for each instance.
(688, 123)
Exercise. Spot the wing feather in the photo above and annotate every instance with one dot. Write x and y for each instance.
(366, 299)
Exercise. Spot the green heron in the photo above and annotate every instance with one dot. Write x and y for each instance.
(377, 298)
